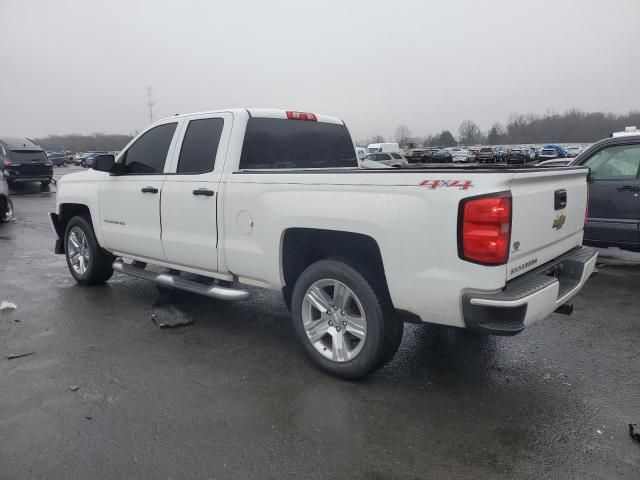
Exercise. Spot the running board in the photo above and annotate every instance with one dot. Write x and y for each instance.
(169, 280)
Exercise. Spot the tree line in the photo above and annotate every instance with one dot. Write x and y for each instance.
(572, 126)
(83, 143)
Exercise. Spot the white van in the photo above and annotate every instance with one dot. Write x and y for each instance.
(383, 147)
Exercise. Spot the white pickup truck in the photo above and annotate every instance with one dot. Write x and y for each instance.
(274, 199)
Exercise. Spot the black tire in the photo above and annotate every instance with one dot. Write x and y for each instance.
(99, 266)
(384, 331)
(45, 184)
(6, 209)
(64, 163)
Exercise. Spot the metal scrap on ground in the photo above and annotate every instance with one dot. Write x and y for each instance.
(165, 314)
(6, 305)
(11, 356)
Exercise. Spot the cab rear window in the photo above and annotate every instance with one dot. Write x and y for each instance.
(278, 143)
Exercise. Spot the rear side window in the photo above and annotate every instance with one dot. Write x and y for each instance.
(397, 156)
(200, 145)
(277, 143)
(148, 154)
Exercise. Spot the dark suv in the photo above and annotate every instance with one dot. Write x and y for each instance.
(614, 201)
(21, 160)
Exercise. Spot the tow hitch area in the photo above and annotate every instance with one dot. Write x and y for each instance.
(565, 309)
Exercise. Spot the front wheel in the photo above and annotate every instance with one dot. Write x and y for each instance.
(344, 319)
(87, 262)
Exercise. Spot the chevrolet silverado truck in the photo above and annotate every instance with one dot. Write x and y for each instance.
(215, 202)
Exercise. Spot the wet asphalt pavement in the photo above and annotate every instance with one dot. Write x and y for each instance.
(233, 395)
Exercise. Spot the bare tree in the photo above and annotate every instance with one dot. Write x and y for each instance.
(402, 134)
(496, 134)
(470, 133)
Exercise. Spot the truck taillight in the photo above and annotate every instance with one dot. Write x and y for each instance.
(8, 163)
(484, 229)
(302, 116)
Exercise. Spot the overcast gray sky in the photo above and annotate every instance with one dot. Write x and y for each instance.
(83, 66)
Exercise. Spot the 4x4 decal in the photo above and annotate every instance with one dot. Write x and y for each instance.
(460, 184)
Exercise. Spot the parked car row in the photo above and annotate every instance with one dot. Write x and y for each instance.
(487, 154)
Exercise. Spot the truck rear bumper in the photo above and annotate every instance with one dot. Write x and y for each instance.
(531, 297)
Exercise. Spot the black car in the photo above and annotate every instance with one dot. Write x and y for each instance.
(517, 155)
(418, 155)
(614, 200)
(443, 156)
(21, 160)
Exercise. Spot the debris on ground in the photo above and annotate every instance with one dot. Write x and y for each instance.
(634, 431)
(74, 388)
(6, 305)
(88, 417)
(11, 356)
(165, 314)
(170, 316)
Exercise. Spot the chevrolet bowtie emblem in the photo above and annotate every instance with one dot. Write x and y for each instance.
(559, 222)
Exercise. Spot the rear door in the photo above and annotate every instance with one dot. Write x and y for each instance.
(130, 202)
(190, 194)
(548, 208)
(614, 204)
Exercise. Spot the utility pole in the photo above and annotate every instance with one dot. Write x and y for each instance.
(150, 104)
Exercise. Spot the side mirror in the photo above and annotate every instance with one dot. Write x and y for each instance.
(104, 163)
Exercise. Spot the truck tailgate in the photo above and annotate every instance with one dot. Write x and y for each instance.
(547, 217)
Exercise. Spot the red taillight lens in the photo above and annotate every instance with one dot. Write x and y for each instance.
(8, 163)
(301, 116)
(485, 229)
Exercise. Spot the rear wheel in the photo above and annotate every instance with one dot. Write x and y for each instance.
(45, 184)
(87, 262)
(344, 319)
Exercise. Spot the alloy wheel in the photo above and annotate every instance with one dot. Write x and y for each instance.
(78, 248)
(334, 320)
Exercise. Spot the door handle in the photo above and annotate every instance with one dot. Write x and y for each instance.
(149, 190)
(203, 191)
(628, 188)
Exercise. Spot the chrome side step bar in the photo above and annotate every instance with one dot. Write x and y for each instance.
(169, 280)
